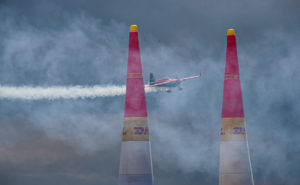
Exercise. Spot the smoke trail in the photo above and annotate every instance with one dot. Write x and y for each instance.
(66, 92)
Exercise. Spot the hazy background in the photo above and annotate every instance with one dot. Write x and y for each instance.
(77, 42)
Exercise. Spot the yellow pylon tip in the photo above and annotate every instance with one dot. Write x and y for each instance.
(230, 32)
(133, 28)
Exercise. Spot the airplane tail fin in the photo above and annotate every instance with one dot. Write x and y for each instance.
(152, 79)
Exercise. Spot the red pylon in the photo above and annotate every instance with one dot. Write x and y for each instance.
(135, 162)
(235, 166)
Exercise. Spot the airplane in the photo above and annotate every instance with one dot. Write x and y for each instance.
(169, 83)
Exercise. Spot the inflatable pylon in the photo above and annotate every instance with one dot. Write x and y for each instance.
(235, 166)
(136, 162)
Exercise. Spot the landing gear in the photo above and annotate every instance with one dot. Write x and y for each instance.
(180, 88)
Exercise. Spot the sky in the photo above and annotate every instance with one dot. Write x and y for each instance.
(75, 42)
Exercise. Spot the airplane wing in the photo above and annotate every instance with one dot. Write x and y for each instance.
(191, 77)
(158, 84)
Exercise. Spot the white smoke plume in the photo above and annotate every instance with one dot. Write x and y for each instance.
(65, 92)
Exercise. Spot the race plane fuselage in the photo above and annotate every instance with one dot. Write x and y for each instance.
(169, 83)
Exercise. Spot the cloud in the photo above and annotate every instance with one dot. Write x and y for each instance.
(49, 43)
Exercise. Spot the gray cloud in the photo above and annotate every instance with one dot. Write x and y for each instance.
(79, 43)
